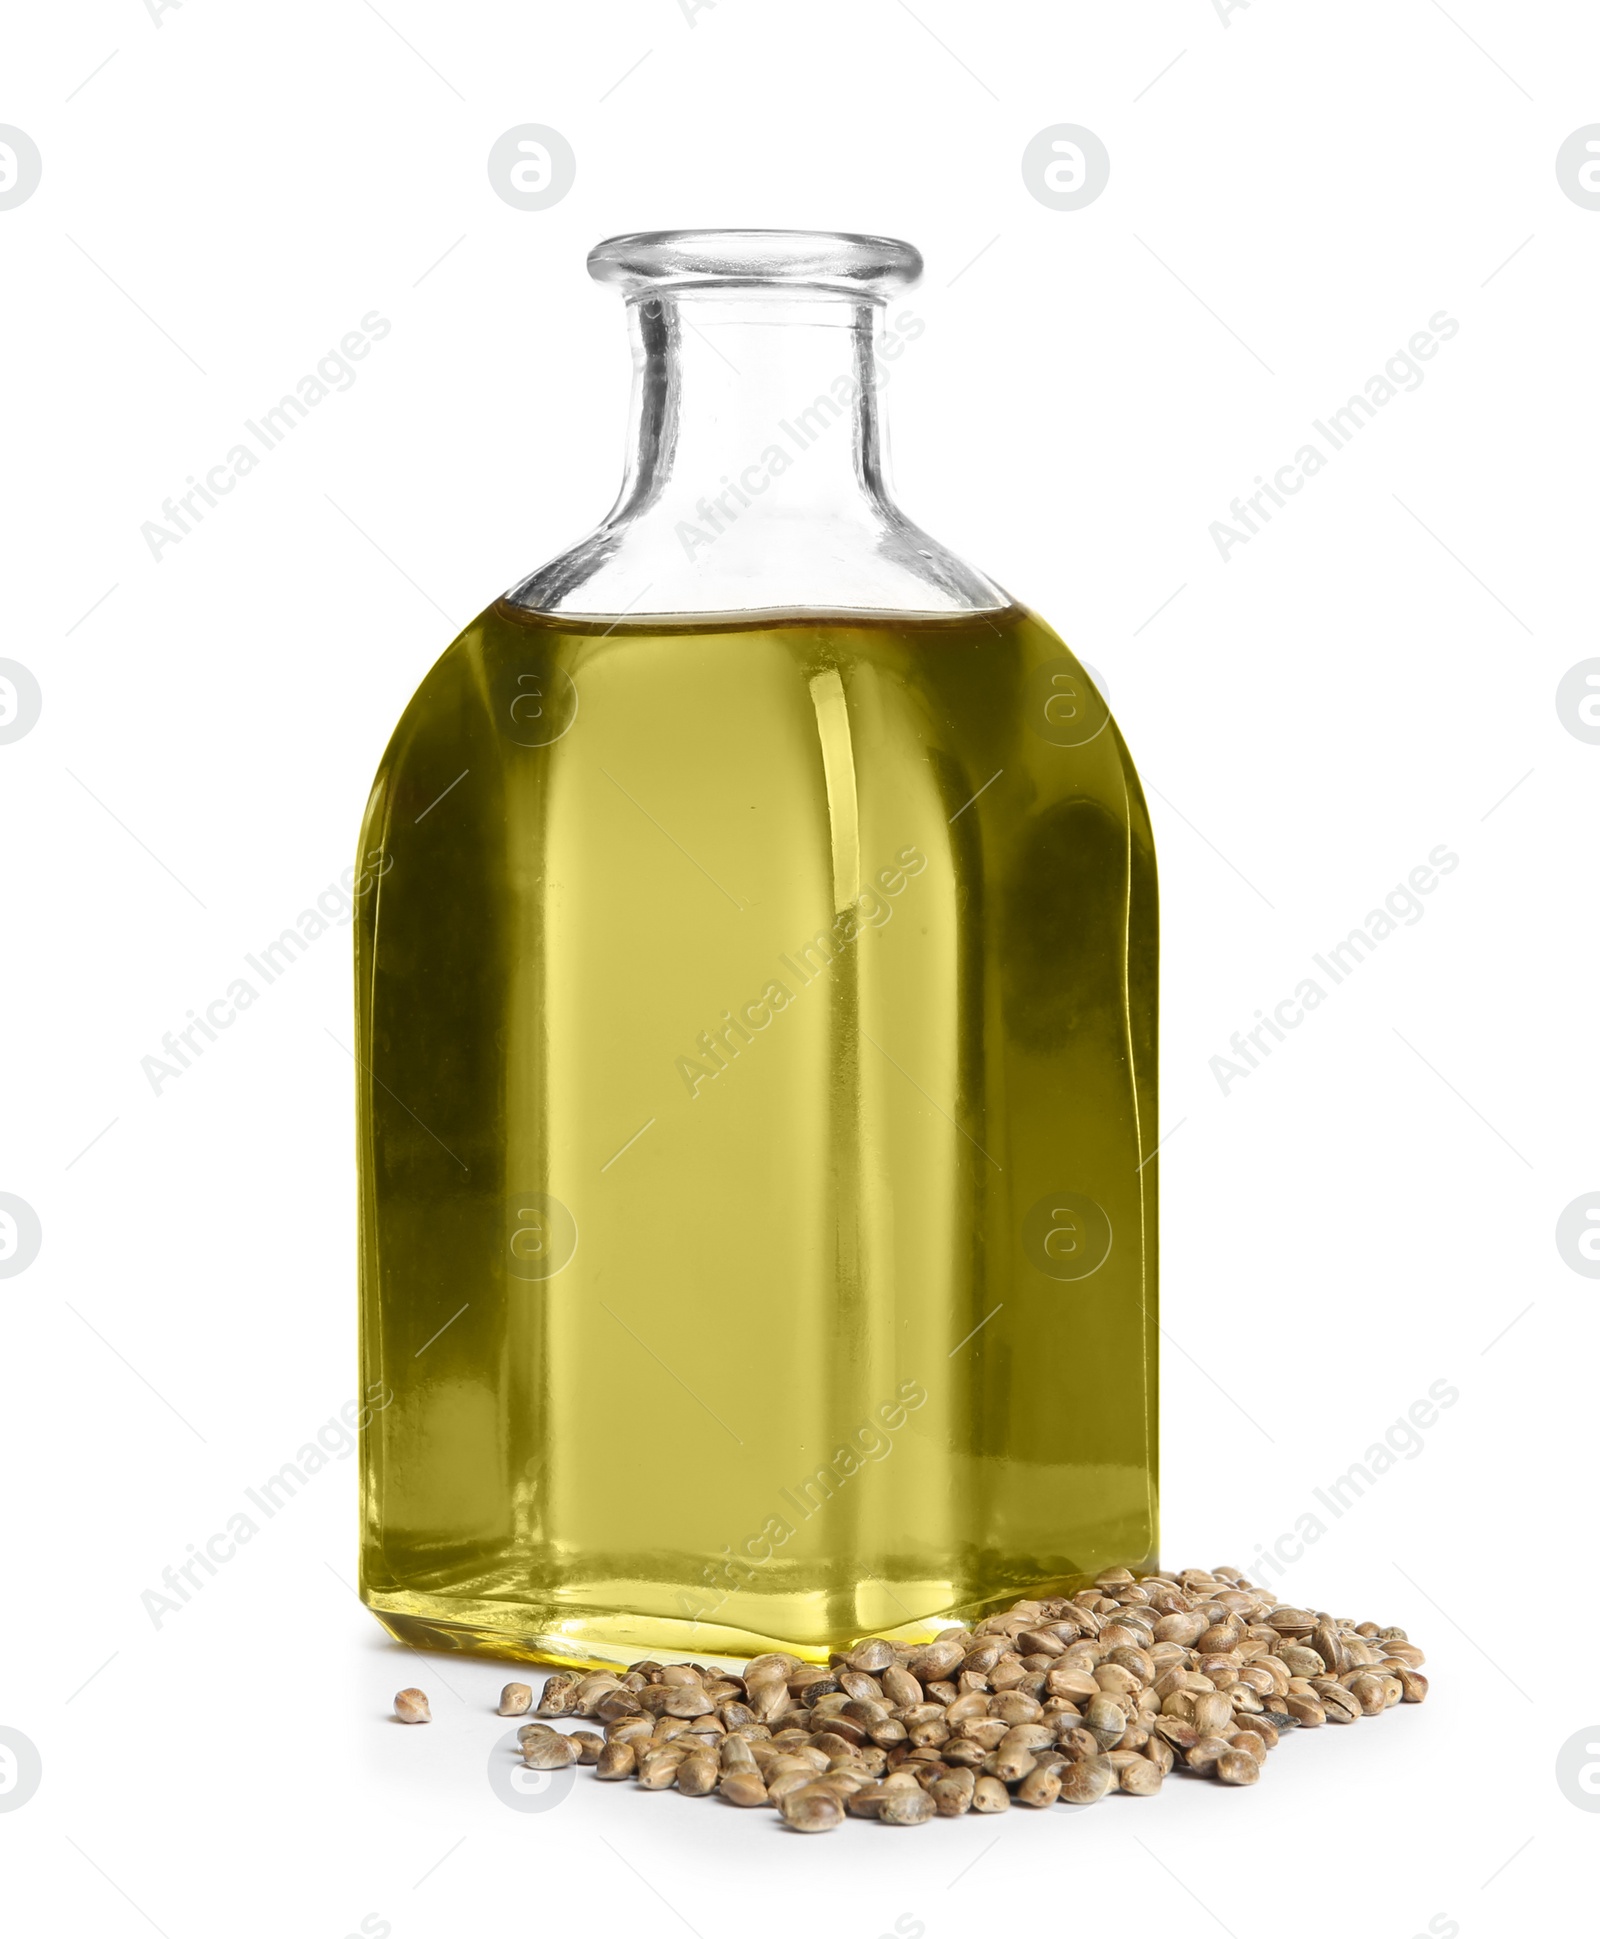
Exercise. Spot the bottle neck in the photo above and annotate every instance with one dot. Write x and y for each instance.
(750, 411)
(756, 477)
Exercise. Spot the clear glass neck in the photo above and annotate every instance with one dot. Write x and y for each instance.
(756, 475)
(733, 390)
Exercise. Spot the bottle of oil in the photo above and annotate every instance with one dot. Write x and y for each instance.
(757, 997)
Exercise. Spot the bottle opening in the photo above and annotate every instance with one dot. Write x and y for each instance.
(668, 259)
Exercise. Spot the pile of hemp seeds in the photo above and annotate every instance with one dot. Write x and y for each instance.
(1061, 1700)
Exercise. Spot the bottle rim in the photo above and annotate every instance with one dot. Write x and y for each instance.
(656, 261)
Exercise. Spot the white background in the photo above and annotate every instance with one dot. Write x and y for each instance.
(1374, 674)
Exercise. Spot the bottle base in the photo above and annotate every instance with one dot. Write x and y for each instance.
(588, 1632)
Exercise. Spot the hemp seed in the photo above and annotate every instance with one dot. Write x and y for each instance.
(411, 1707)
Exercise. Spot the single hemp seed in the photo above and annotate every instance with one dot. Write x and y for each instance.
(411, 1707)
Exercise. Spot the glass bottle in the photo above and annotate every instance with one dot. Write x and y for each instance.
(756, 1003)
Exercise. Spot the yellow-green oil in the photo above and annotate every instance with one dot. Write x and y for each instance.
(756, 1115)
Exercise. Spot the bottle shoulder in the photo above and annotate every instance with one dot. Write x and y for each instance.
(997, 689)
(724, 557)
